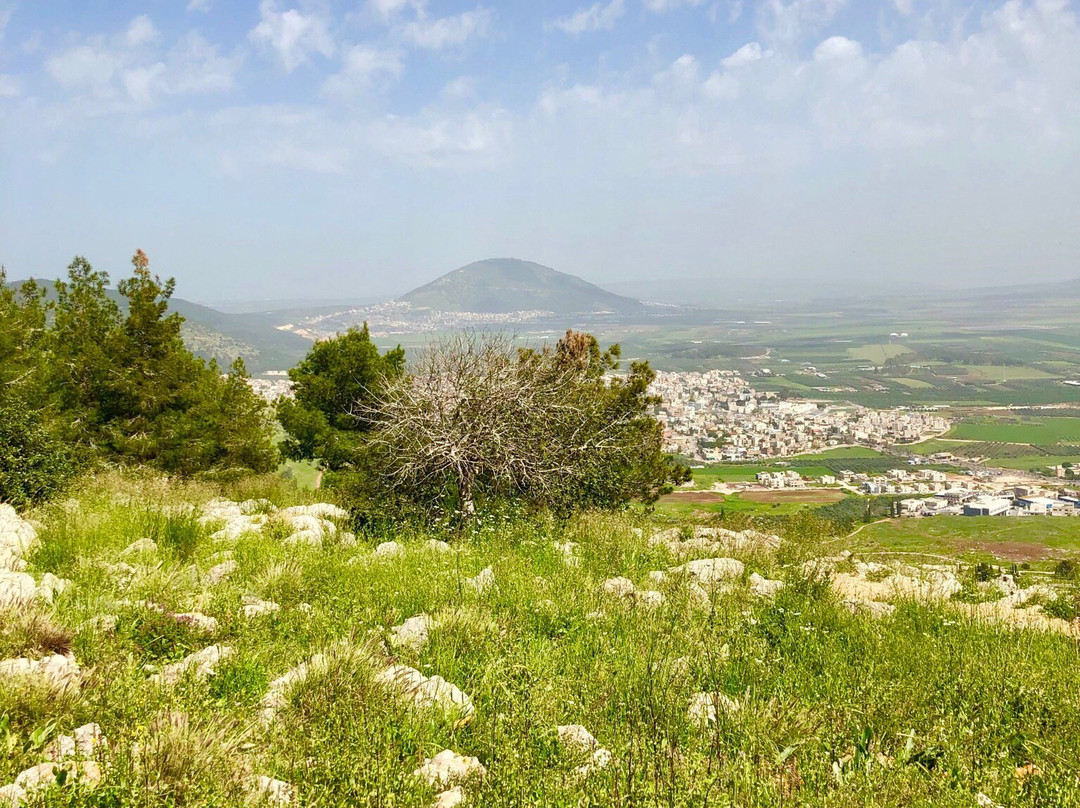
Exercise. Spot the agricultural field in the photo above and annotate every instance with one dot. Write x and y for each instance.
(695, 504)
(1006, 539)
(1005, 428)
(239, 646)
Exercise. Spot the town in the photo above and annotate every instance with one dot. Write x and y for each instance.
(716, 416)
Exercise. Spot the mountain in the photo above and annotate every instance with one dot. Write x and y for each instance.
(214, 334)
(503, 285)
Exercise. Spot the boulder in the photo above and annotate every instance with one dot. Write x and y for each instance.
(268, 791)
(763, 587)
(11, 796)
(200, 665)
(388, 549)
(704, 708)
(575, 738)
(139, 546)
(82, 744)
(448, 767)
(256, 607)
(58, 673)
(436, 546)
(618, 587)
(427, 692)
(451, 798)
(219, 572)
(711, 570)
(600, 759)
(481, 582)
(412, 634)
(44, 775)
(17, 590)
(202, 623)
(320, 510)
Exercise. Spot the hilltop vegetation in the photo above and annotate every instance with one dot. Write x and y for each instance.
(82, 382)
(251, 650)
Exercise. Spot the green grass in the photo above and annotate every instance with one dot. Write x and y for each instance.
(980, 536)
(877, 354)
(924, 708)
(1019, 429)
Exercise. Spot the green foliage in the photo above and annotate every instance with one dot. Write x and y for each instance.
(338, 379)
(82, 379)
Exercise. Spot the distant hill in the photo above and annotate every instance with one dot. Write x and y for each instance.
(501, 285)
(213, 334)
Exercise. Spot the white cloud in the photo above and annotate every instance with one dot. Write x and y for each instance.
(387, 10)
(664, 6)
(361, 66)
(597, 17)
(447, 32)
(785, 23)
(905, 7)
(9, 86)
(477, 139)
(750, 52)
(292, 34)
(837, 48)
(5, 18)
(141, 31)
(199, 5)
(120, 72)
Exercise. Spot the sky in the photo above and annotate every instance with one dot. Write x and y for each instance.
(316, 149)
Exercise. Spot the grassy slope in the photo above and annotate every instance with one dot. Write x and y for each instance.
(951, 707)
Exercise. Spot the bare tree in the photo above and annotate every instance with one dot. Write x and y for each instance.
(477, 414)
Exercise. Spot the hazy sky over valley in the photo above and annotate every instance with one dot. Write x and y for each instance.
(315, 149)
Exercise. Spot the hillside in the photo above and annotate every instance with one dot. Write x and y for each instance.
(165, 647)
(503, 285)
(214, 334)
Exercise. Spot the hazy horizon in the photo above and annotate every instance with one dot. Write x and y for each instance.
(310, 149)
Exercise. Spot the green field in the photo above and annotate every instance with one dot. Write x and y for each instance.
(1017, 429)
(1006, 538)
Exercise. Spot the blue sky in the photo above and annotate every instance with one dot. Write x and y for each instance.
(313, 149)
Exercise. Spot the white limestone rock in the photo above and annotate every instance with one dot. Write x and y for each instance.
(575, 738)
(413, 633)
(436, 546)
(139, 547)
(763, 587)
(256, 607)
(43, 776)
(388, 549)
(704, 708)
(320, 510)
(200, 665)
(481, 582)
(219, 572)
(11, 796)
(711, 570)
(618, 587)
(82, 744)
(61, 674)
(448, 768)
(268, 791)
(17, 590)
(451, 798)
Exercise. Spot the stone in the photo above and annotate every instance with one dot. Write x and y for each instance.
(17, 590)
(711, 570)
(618, 587)
(575, 738)
(51, 586)
(140, 546)
(60, 674)
(17, 537)
(388, 549)
(11, 796)
(256, 607)
(412, 634)
(703, 708)
(104, 623)
(481, 582)
(451, 798)
(436, 546)
(763, 587)
(220, 572)
(600, 759)
(44, 775)
(649, 598)
(320, 510)
(200, 665)
(448, 767)
(268, 791)
(427, 692)
(83, 744)
(568, 550)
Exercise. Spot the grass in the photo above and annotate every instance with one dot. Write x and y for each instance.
(1043, 430)
(985, 537)
(877, 353)
(921, 709)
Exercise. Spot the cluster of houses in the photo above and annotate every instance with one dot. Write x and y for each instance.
(716, 416)
(1017, 501)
